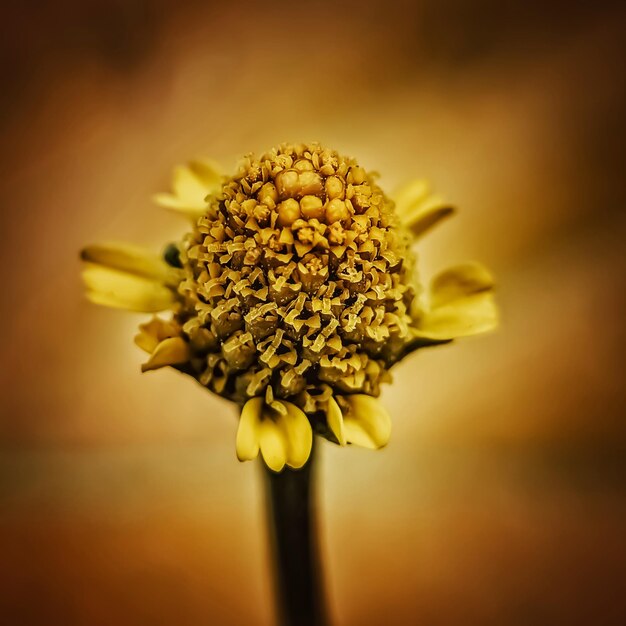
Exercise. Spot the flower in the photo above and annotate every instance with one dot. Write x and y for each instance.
(293, 295)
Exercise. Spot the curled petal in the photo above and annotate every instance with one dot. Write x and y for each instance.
(168, 201)
(121, 290)
(146, 341)
(247, 444)
(208, 172)
(193, 211)
(410, 194)
(424, 216)
(172, 351)
(191, 184)
(197, 179)
(153, 332)
(458, 282)
(464, 317)
(461, 304)
(128, 258)
(299, 434)
(334, 419)
(273, 444)
(418, 210)
(366, 423)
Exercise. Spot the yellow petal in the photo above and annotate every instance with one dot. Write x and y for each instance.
(298, 432)
(172, 351)
(461, 304)
(128, 258)
(247, 444)
(146, 342)
(417, 209)
(367, 423)
(425, 215)
(191, 185)
(121, 290)
(195, 181)
(410, 194)
(153, 332)
(187, 186)
(467, 316)
(192, 210)
(273, 444)
(334, 419)
(208, 173)
(459, 282)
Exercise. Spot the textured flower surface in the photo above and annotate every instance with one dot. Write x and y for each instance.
(293, 294)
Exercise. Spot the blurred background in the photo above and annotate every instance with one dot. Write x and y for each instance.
(500, 499)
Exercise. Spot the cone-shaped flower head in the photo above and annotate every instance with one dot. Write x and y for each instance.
(293, 295)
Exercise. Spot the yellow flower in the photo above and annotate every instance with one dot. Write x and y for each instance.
(293, 295)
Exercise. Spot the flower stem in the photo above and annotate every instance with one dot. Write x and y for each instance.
(291, 509)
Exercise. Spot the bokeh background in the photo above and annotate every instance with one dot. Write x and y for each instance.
(500, 499)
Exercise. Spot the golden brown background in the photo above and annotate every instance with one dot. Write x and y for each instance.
(500, 500)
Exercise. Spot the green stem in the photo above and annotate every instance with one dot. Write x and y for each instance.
(291, 509)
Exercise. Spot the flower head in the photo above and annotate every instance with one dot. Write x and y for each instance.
(293, 294)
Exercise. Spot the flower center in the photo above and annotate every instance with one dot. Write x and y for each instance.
(294, 268)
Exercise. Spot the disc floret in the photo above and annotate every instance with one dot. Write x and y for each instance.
(303, 274)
